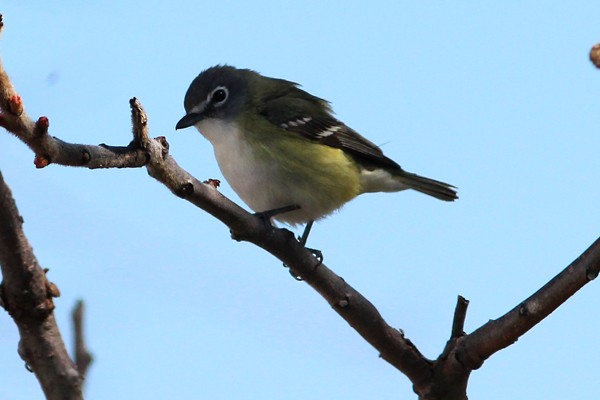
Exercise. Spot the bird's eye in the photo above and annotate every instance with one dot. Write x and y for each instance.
(219, 95)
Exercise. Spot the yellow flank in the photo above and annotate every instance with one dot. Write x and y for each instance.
(319, 178)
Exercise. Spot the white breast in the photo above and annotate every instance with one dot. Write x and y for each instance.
(244, 173)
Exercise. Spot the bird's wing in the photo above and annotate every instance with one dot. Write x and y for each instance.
(310, 117)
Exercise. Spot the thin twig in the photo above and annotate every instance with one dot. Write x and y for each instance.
(460, 314)
(83, 358)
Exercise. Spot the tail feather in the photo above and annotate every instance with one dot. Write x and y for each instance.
(431, 187)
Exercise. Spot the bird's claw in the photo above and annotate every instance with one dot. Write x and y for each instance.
(318, 254)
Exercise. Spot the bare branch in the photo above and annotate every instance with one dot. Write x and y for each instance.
(465, 353)
(83, 358)
(27, 296)
(498, 334)
(595, 55)
(49, 149)
(460, 314)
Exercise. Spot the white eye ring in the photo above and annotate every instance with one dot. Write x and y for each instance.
(219, 96)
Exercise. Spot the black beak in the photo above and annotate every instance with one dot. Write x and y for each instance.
(189, 120)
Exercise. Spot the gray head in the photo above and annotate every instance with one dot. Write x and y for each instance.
(218, 92)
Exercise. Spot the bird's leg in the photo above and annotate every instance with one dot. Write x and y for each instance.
(268, 214)
(303, 239)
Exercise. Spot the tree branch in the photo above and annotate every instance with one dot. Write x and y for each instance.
(460, 314)
(49, 149)
(83, 358)
(495, 335)
(27, 296)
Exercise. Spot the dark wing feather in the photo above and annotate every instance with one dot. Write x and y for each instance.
(311, 118)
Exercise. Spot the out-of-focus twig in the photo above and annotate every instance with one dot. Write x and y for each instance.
(83, 358)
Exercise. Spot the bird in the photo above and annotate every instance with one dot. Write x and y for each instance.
(284, 153)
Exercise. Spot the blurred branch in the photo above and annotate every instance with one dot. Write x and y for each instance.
(27, 296)
(595, 55)
(83, 358)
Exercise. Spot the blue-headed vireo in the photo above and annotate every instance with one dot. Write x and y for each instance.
(280, 146)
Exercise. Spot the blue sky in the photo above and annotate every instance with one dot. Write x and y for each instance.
(498, 99)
